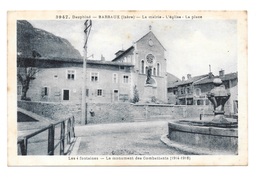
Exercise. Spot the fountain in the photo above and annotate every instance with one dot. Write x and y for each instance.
(217, 136)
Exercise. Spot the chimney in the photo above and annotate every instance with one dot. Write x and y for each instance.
(221, 73)
(188, 76)
(119, 52)
(211, 75)
(183, 78)
(102, 58)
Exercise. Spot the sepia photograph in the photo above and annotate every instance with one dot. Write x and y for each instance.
(127, 88)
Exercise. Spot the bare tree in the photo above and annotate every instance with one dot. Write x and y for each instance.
(26, 72)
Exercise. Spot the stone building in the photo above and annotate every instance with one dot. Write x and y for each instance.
(60, 79)
(193, 91)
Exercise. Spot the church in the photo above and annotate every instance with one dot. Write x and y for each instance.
(139, 70)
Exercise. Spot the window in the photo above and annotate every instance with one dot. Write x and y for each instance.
(122, 68)
(197, 92)
(154, 71)
(19, 90)
(115, 78)
(94, 76)
(55, 76)
(146, 69)
(87, 92)
(71, 74)
(125, 79)
(45, 91)
(158, 69)
(199, 102)
(142, 67)
(99, 92)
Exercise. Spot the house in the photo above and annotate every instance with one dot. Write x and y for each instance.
(60, 79)
(183, 91)
(193, 91)
(230, 81)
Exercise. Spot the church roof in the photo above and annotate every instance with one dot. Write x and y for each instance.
(154, 37)
(127, 50)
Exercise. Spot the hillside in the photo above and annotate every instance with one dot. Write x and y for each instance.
(33, 42)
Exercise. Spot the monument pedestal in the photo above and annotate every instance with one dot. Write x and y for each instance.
(150, 91)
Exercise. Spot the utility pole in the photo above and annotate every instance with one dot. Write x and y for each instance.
(88, 25)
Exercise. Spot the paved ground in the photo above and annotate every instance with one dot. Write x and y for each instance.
(137, 138)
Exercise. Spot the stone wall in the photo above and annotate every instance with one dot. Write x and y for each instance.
(109, 113)
(114, 112)
(52, 110)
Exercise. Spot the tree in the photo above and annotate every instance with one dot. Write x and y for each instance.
(136, 95)
(25, 74)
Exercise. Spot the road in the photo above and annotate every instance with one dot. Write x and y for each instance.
(136, 138)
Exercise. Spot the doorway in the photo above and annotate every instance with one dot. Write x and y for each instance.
(66, 95)
(116, 96)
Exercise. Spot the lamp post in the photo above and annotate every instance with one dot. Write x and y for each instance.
(88, 25)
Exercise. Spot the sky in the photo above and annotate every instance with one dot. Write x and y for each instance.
(191, 45)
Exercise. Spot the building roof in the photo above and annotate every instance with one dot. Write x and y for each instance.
(171, 79)
(76, 60)
(99, 62)
(229, 76)
(127, 50)
(70, 60)
(191, 80)
(119, 56)
(154, 37)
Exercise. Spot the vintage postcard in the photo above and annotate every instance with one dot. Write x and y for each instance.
(127, 88)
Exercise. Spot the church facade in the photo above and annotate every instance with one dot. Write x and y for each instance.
(61, 79)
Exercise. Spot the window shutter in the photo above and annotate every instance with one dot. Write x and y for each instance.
(87, 92)
(43, 91)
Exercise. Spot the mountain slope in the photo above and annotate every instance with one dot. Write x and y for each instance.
(32, 41)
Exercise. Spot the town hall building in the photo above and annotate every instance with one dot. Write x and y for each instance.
(60, 79)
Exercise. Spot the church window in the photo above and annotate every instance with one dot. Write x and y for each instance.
(142, 67)
(158, 69)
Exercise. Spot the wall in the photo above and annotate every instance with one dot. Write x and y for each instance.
(114, 112)
(52, 110)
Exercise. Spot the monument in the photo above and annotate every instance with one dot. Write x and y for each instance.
(218, 96)
(150, 86)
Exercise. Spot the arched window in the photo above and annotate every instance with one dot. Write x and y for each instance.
(154, 71)
(158, 69)
(146, 69)
(142, 67)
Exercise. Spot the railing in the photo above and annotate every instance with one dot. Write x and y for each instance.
(65, 133)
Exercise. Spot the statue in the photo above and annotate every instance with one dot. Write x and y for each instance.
(218, 96)
(149, 75)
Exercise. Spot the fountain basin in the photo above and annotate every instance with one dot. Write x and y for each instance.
(204, 137)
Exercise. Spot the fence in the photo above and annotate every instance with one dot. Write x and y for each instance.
(67, 133)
